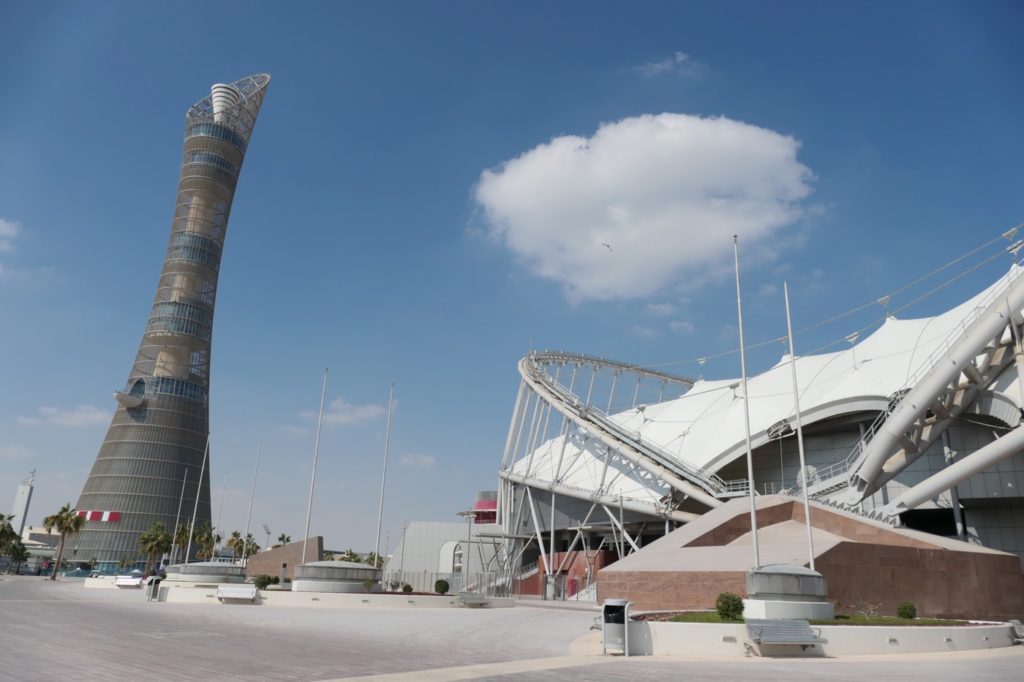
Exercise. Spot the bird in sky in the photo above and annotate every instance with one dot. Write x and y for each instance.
(607, 245)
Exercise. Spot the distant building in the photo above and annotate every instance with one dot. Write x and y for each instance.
(22, 500)
(151, 458)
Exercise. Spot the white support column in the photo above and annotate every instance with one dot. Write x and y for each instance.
(531, 445)
(536, 527)
(551, 527)
(611, 394)
(590, 391)
(617, 524)
(512, 424)
(954, 474)
(531, 395)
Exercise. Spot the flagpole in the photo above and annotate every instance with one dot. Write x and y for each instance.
(799, 426)
(220, 513)
(195, 509)
(177, 517)
(384, 476)
(746, 408)
(252, 496)
(312, 480)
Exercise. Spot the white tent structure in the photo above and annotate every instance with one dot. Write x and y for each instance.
(922, 413)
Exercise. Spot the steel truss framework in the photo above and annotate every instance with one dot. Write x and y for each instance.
(563, 443)
(151, 457)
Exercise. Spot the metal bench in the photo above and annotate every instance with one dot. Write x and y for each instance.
(783, 632)
(128, 581)
(247, 593)
(473, 599)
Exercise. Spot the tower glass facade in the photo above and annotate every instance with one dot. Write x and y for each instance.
(150, 460)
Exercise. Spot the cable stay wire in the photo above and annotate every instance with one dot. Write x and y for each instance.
(881, 300)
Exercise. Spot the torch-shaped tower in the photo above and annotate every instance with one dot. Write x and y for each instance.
(149, 463)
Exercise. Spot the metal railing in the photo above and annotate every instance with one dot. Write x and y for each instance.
(710, 481)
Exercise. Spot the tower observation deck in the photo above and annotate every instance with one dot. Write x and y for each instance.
(155, 445)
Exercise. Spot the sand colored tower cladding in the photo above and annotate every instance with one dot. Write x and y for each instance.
(151, 457)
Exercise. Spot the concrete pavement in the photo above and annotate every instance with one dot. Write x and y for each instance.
(60, 631)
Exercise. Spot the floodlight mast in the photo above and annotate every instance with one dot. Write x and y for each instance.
(162, 421)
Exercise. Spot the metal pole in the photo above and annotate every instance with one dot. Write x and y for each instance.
(467, 555)
(384, 475)
(401, 563)
(252, 496)
(223, 490)
(799, 426)
(316, 454)
(746, 407)
(195, 509)
(177, 517)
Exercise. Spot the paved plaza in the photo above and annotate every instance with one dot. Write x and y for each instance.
(63, 631)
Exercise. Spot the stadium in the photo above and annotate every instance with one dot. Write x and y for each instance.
(910, 430)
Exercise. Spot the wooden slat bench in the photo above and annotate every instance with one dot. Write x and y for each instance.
(247, 593)
(472, 599)
(783, 632)
(128, 581)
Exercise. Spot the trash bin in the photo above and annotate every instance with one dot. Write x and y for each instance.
(614, 621)
(153, 589)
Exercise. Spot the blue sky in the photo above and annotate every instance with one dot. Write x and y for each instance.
(426, 194)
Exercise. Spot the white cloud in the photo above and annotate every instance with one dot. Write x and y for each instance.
(8, 232)
(642, 332)
(660, 309)
(681, 327)
(665, 192)
(767, 289)
(83, 415)
(679, 63)
(340, 411)
(14, 452)
(418, 461)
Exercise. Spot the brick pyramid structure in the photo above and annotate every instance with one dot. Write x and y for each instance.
(868, 565)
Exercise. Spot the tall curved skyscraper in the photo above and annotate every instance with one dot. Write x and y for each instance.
(154, 448)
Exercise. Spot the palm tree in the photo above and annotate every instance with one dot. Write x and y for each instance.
(350, 555)
(181, 539)
(374, 560)
(154, 542)
(283, 539)
(66, 522)
(18, 554)
(240, 547)
(206, 539)
(235, 543)
(7, 533)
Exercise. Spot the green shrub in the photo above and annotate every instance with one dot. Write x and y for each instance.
(368, 584)
(276, 580)
(729, 606)
(906, 610)
(407, 588)
(261, 581)
(441, 586)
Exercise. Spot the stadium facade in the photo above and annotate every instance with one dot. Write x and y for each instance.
(150, 461)
(914, 426)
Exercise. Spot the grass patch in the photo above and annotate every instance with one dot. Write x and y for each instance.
(712, 617)
(701, 617)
